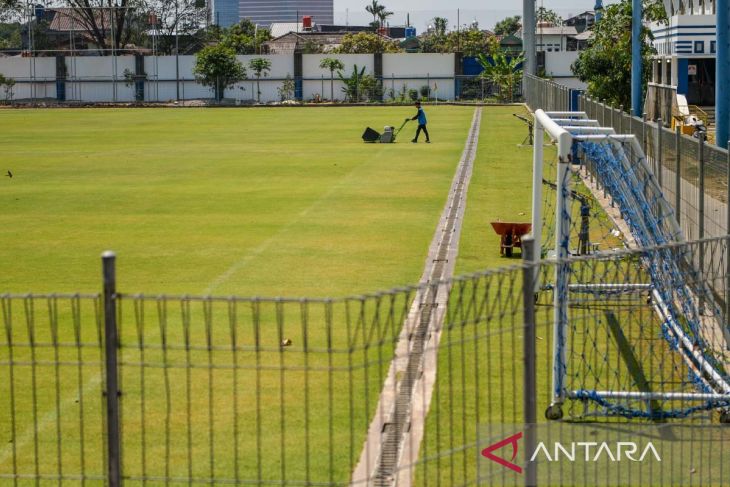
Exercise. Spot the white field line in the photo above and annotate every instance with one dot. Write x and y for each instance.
(266, 244)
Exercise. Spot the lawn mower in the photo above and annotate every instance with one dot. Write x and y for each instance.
(387, 137)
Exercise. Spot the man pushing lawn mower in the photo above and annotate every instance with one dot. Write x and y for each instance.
(421, 117)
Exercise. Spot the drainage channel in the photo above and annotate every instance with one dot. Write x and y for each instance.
(395, 434)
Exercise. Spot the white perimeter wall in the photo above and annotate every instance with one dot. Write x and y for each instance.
(22, 69)
(314, 75)
(557, 66)
(416, 70)
(101, 79)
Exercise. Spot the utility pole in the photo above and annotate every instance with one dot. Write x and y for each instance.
(177, 54)
(636, 61)
(528, 36)
(722, 73)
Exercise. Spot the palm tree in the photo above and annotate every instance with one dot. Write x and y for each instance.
(439, 25)
(259, 66)
(504, 71)
(333, 65)
(382, 15)
(374, 9)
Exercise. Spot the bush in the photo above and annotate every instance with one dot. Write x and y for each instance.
(425, 91)
(413, 94)
(7, 85)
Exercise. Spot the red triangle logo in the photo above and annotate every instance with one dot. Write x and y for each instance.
(512, 440)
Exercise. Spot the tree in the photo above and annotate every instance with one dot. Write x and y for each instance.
(7, 85)
(108, 26)
(548, 16)
(286, 90)
(471, 42)
(503, 71)
(217, 67)
(171, 18)
(259, 66)
(439, 25)
(10, 35)
(10, 10)
(508, 26)
(244, 37)
(383, 15)
(333, 65)
(365, 43)
(352, 83)
(374, 9)
(606, 64)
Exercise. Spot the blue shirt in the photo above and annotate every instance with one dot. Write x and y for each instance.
(421, 117)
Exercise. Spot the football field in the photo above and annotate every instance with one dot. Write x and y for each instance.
(263, 202)
(268, 202)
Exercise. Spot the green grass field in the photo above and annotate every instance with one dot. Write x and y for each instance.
(260, 202)
(247, 202)
(265, 202)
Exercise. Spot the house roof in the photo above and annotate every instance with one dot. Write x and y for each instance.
(68, 20)
(291, 40)
(587, 13)
(279, 29)
(583, 36)
(562, 30)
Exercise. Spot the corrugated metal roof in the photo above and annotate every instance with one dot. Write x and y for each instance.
(279, 29)
(562, 30)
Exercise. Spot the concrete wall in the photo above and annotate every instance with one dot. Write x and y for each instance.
(409, 70)
(102, 79)
(557, 66)
(43, 70)
(314, 77)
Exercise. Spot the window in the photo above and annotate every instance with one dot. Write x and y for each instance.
(713, 47)
(699, 47)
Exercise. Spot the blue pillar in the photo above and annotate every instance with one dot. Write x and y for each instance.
(722, 100)
(636, 81)
(598, 8)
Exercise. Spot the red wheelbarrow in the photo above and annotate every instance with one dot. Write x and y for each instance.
(511, 235)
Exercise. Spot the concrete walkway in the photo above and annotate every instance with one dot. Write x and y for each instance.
(391, 449)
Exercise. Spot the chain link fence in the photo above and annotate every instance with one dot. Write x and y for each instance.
(116, 388)
(693, 174)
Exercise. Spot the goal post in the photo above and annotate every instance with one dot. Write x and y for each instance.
(683, 305)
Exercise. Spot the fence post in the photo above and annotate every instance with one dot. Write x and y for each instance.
(529, 394)
(727, 248)
(701, 205)
(113, 442)
(643, 133)
(701, 196)
(620, 119)
(678, 176)
(613, 115)
(658, 152)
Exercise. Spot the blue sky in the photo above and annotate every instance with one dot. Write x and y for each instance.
(486, 12)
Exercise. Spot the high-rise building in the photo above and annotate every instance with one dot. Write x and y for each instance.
(224, 12)
(266, 12)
